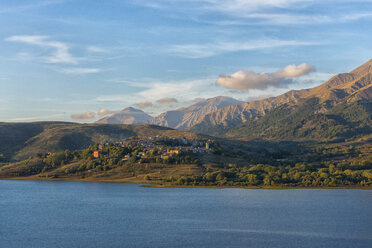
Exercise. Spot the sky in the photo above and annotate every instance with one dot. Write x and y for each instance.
(79, 60)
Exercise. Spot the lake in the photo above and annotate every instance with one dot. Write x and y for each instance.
(82, 214)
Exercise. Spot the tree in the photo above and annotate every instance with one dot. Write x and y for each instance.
(252, 179)
(267, 180)
(181, 181)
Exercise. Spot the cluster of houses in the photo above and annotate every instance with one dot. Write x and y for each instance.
(160, 145)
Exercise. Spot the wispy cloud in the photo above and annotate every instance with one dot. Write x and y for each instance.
(211, 49)
(167, 100)
(102, 112)
(79, 71)
(37, 118)
(233, 6)
(33, 5)
(60, 53)
(261, 10)
(356, 16)
(257, 12)
(250, 5)
(143, 105)
(272, 12)
(96, 49)
(86, 115)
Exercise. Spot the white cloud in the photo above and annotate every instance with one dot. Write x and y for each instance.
(86, 115)
(223, 5)
(61, 52)
(207, 50)
(143, 105)
(33, 5)
(240, 7)
(356, 16)
(79, 71)
(102, 112)
(293, 71)
(185, 90)
(246, 80)
(96, 49)
(259, 12)
(287, 19)
(37, 118)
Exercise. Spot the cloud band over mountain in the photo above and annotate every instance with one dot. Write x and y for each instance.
(143, 105)
(247, 80)
(167, 100)
(86, 115)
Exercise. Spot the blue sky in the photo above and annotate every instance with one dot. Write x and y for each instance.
(74, 57)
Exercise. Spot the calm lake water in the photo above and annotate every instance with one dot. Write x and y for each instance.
(78, 214)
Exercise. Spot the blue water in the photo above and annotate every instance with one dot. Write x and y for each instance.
(77, 214)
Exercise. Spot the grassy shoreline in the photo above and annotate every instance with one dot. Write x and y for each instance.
(148, 184)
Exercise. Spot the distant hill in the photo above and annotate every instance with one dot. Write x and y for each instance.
(127, 116)
(21, 140)
(339, 108)
(186, 117)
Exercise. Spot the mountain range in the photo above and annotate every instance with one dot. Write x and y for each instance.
(181, 118)
(184, 118)
(339, 108)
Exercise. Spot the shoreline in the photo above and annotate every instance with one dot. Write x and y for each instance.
(148, 184)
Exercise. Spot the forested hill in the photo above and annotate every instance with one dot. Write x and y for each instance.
(21, 140)
(306, 121)
(183, 162)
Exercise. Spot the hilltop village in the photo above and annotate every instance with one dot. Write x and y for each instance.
(154, 149)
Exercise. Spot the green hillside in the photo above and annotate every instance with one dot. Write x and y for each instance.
(21, 140)
(306, 121)
(227, 164)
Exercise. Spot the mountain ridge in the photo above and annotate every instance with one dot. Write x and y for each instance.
(353, 86)
(183, 118)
